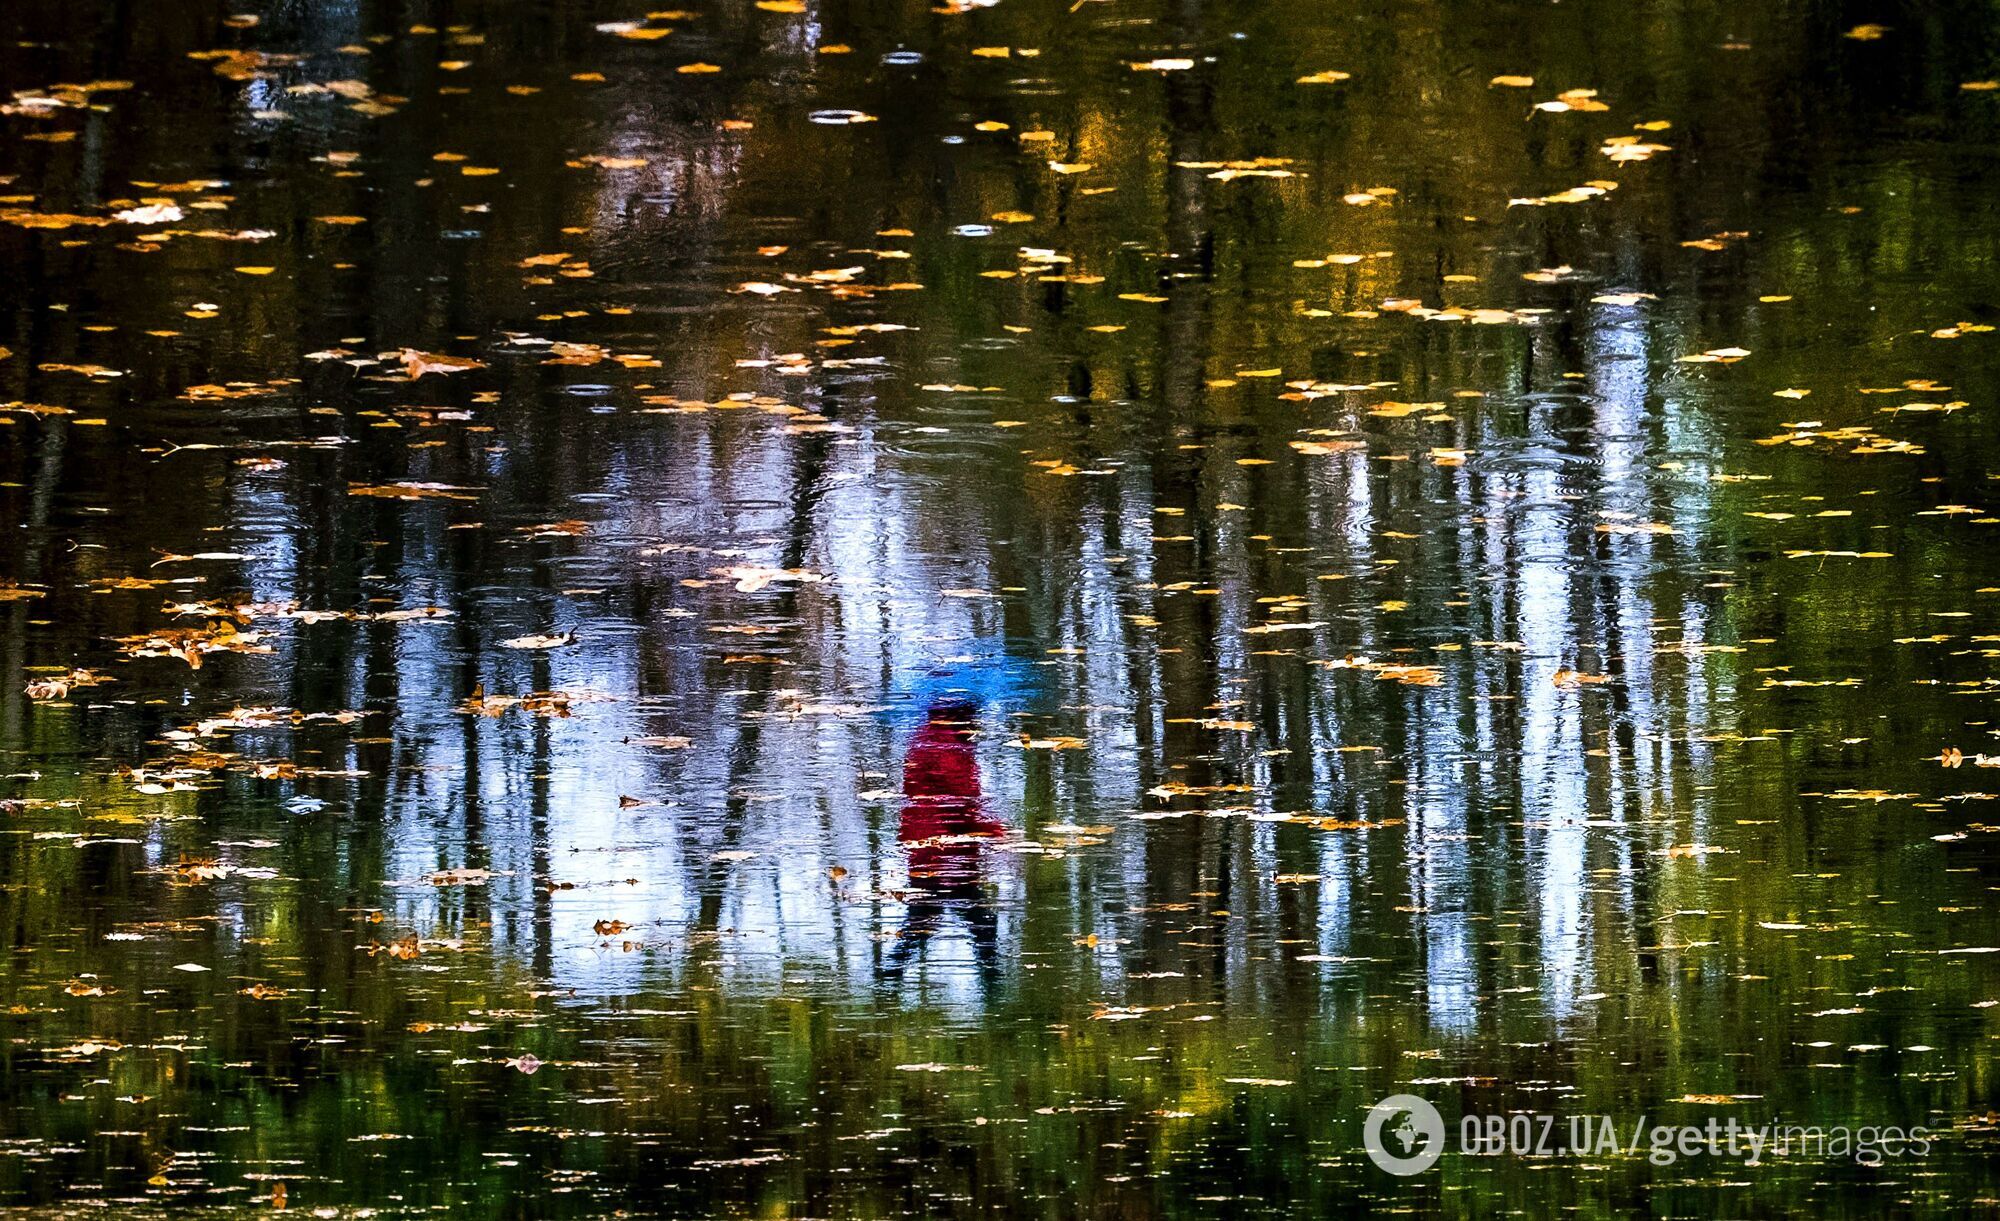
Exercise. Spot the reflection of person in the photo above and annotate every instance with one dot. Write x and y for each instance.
(944, 820)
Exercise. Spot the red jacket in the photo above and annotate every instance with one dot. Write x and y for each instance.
(941, 801)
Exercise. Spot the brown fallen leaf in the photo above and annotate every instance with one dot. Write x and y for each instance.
(1572, 679)
(417, 363)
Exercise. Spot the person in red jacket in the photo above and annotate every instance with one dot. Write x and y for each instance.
(943, 825)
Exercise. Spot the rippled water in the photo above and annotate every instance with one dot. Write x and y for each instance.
(847, 610)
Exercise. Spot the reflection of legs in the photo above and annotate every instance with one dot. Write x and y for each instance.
(982, 920)
(926, 918)
(922, 917)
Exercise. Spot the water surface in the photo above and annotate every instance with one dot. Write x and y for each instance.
(857, 610)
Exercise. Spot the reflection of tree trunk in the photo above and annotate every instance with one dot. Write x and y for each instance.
(810, 485)
(48, 474)
(542, 867)
(808, 488)
(477, 853)
(1175, 850)
(1636, 865)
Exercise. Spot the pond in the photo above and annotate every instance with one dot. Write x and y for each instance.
(973, 608)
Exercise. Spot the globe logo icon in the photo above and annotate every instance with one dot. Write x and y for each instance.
(1404, 1134)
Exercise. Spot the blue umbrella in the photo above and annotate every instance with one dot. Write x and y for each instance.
(987, 676)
